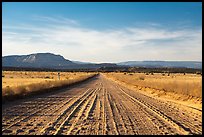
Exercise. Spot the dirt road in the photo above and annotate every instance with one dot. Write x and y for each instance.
(99, 106)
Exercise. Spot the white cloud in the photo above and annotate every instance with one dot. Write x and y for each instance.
(111, 45)
(55, 19)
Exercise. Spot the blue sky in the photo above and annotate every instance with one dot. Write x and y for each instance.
(104, 32)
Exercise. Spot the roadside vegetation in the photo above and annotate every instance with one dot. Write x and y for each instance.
(17, 84)
(180, 83)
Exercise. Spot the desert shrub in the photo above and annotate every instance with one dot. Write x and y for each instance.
(198, 73)
(146, 73)
(19, 90)
(124, 73)
(141, 78)
(47, 77)
(130, 74)
(11, 77)
(152, 73)
(7, 91)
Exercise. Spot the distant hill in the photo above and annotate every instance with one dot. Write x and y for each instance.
(48, 60)
(157, 64)
(53, 61)
(38, 60)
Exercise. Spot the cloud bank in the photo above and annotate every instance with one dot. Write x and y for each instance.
(69, 38)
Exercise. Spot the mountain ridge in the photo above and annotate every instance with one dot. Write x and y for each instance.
(186, 64)
(51, 60)
(48, 60)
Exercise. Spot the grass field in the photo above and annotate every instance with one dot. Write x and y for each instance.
(184, 84)
(19, 78)
(25, 82)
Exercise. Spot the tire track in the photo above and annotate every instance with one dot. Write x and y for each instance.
(80, 114)
(110, 119)
(47, 112)
(117, 117)
(34, 108)
(56, 108)
(156, 125)
(83, 123)
(78, 103)
(167, 119)
(124, 112)
(23, 118)
(182, 121)
(49, 129)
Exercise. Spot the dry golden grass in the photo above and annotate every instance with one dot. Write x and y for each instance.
(188, 84)
(23, 83)
(19, 78)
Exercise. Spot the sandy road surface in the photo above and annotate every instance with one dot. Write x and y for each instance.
(98, 106)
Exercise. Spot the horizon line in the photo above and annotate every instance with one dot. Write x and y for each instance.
(106, 62)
